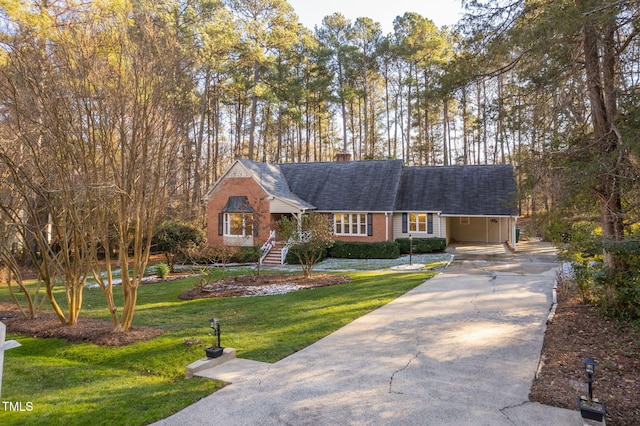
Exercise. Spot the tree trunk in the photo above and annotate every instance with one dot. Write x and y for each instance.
(445, 130)
(254, 111)
(602, 97)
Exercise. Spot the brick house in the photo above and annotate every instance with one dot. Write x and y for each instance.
(378, 200)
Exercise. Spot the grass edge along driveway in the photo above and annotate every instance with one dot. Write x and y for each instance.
(49, 381)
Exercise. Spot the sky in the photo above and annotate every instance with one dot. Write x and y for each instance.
(441, 12)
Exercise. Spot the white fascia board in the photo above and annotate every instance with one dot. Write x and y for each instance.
(354, 211)
(296, 206)
(438, 212)
(477, 215)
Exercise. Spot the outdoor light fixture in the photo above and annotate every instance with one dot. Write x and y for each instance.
(215, 350)
(590, 409)
(589, 366)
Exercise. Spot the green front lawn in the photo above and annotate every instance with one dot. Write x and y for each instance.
(49, 381)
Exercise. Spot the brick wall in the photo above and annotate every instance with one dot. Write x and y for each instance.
(379, 231)
(237, 186)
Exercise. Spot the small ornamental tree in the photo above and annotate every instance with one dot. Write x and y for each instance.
(174, 236)
(311, 235)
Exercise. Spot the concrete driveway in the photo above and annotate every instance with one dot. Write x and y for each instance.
(461, 349)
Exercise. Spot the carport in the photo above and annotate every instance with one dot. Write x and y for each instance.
(481, 229)
(469, 204)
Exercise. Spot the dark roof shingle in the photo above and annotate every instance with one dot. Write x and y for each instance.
(359, 186)
(459, 190)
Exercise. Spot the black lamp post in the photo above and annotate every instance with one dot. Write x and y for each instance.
(410, 250)
(215, 350)
(590, 409)
(590, 368)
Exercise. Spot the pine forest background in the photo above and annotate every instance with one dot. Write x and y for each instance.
(104, 94)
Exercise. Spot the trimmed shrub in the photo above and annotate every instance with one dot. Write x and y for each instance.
(174, 236)
(422, 245)
(360, 250)
(249, 254)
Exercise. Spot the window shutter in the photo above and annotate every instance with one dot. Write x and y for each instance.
(254, 226)
(405, 223)
(220, 223)
(369, 224)
(429, 223)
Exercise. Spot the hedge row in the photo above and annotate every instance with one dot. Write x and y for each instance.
(379, 250)
(422, 245)
(359, 250)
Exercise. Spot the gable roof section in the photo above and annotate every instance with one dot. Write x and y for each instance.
(459, 190)
(270, 177)
(357, 186)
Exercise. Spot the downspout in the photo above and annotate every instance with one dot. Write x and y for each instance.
(386, 224)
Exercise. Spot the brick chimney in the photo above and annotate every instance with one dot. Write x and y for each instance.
(343, 157)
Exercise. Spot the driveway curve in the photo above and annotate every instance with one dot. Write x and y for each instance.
(460, 349)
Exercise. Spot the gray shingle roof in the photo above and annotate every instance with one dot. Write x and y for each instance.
(362, 186)
(459, 190)
(385, 185)
(273, 181)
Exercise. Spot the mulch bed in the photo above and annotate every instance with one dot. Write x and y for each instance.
(263, 284)
(93, 330)
(578, 332)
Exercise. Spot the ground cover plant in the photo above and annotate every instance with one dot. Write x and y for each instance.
(79, 383)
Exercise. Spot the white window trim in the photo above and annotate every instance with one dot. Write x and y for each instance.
(417, 223)
(359, 227)
(427, 216)
(227, 226)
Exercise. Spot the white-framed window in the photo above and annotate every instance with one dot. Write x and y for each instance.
(465, 220)
(421, 222)
(417, 222)
(350, 224)
(238, 224)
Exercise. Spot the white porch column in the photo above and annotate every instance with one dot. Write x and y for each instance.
(298, 217)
